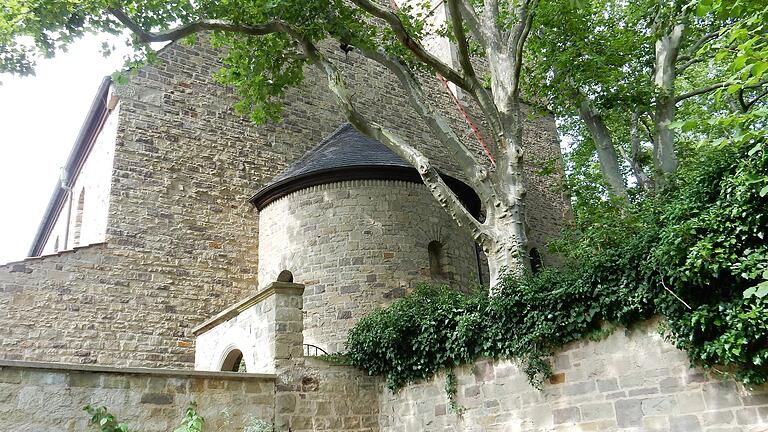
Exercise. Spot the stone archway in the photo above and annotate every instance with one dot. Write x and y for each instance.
(233, 362)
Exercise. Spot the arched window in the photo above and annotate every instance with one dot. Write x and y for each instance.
(285, 276)
(234, 362)
(435, 249)
(536, 263)
(79, 217)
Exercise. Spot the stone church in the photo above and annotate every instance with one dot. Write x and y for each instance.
(183, 243)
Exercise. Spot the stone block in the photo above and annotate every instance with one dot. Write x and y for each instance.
(581, 388)
(716, 418)
(686, 423)
(84, 379)
(671, 384)
(607, 385)
(566, 415)
(156, 398)
(747, 416)
(658, 405)
(718, 395)
(629, 412)
(655, 423)
(690, 402)
(597, 411)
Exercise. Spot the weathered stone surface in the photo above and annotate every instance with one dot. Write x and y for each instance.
(45, 399)
(639, 360)
(336, 237)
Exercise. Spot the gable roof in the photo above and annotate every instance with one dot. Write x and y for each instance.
(86, 138)
(347, 154)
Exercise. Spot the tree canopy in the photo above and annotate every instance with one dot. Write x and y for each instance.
(635, 85)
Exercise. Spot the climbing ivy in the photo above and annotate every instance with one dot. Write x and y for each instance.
(695, 254)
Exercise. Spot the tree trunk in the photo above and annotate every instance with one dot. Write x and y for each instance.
(505, 248)
(606, 152)
(505, 217)
(667, 49)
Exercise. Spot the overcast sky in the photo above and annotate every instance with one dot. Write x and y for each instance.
(40, 117)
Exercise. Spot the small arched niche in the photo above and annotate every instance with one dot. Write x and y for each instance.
(285, 276)
(536, 262)
(233, 362)
(435, 250)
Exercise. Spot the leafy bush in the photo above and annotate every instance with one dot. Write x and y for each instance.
(192, 421)
(104, 420)
(695, 254)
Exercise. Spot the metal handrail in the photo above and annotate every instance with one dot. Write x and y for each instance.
(313, 351)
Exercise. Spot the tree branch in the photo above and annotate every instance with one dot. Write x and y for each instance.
(470, 17)
(442, 193)
(476, 88)
(180, 32)
(408, 41)
(699, 43)
(703, 90)
(749, 104)
(634, 138)
(717, 86)
(606, 151)
(490, 19)
(461, 38)
(689, 58)
(474, 171)
(517, 39)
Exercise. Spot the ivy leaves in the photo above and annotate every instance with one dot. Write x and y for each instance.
(702, 238)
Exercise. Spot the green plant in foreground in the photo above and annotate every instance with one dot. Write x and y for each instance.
(105, 421)
(192, 421)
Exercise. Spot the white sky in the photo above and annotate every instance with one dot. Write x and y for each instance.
(40, 117)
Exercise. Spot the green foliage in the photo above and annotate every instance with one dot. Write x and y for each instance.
(451, 388)
(105, 421)
(702, 239)
(192, 421)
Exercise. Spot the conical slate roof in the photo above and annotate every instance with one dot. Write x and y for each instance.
(347, 154)
(346, 147)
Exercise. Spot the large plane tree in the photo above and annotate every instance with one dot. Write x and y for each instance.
(600, 59)
(290, 32)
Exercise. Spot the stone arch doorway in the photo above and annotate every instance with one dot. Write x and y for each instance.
(233, 362)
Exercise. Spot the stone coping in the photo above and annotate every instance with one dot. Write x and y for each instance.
(54, 254)
(132, 370)
(239, 307)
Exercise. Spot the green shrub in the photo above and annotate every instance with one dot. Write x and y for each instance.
(696, 254)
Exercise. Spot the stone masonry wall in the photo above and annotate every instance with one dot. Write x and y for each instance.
(357, 246)
(87, 306)
(266, 328)
(38, 397)
(315, 395)
(182, 240)
(311, 394)
(631, 381)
